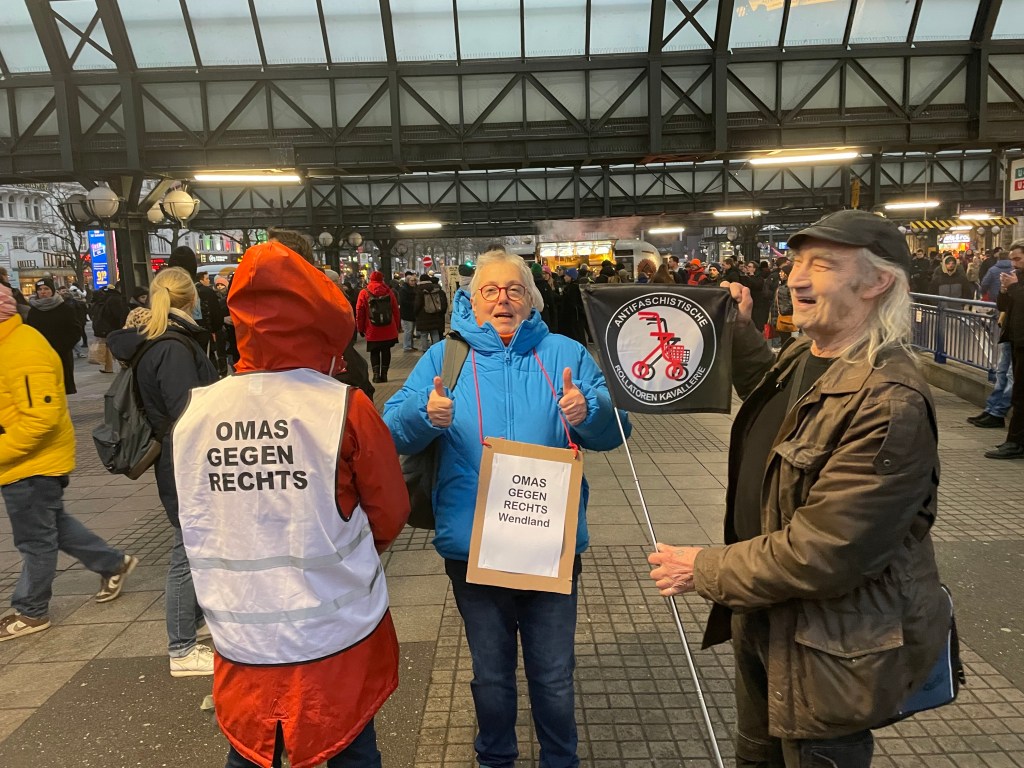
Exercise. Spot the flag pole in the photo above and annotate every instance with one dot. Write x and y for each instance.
(671, 602)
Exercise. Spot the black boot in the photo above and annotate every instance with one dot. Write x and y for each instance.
(988, 421)
(376, 374)
(383, 374)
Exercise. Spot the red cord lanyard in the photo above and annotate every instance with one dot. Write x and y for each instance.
(554, 394)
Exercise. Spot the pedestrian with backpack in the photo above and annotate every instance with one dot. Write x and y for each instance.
(378, 319)
(169, 362)
(430, 306)
(37, 453)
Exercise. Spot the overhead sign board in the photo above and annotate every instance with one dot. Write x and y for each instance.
(1017, 180)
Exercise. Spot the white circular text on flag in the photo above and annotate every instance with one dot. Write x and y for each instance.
(664, 346)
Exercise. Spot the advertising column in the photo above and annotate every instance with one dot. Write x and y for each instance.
(100, 260)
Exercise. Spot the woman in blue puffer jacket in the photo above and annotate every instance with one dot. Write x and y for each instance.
(526, 380)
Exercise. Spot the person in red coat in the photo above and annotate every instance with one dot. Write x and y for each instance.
(380, 322)
(289, 316)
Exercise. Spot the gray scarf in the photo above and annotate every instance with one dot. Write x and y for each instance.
(45, 305)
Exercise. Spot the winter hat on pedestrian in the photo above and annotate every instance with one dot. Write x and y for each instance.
(572, 272)
(376, 276)
(220, 280)
(46, 281)
(546, 269)
(535, 268)
(695, 262)
(860, 228)
(8, 306)
(139, 291)
(335, 277)
(184, 257)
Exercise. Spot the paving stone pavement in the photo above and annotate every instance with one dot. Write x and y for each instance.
(636, 704)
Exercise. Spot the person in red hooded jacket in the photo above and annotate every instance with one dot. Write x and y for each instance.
(289, 487)
(378, 319)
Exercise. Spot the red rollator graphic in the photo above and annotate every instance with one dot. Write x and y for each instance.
(675, 355)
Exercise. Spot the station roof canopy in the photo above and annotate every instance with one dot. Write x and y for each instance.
(358, 89)
(199, 33)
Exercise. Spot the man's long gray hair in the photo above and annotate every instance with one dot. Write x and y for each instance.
(503, 257)
(888, 326)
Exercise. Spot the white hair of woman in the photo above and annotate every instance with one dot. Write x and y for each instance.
(491, 257)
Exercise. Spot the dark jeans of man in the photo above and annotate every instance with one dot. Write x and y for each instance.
(1015, 434)
(546, 621)
(40, 528)
(755, 748)
(361, 752)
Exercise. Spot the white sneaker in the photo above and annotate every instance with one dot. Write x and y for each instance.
(198, 661)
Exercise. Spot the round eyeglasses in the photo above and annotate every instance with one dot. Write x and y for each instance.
(492, 293)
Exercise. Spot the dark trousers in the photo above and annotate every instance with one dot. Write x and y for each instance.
(361, 752)
(495, 619)
(755, 747)
(1015, 434)
(380, 361)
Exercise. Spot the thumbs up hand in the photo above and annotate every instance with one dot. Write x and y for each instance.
(573, 403)
(439, 406)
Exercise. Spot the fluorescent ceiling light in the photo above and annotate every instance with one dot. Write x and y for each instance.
(975, 216)
(962, 228)
(262, 177)
(913, 205)
(666, 230)
(821, 157)
(412, 226)
(746, 213)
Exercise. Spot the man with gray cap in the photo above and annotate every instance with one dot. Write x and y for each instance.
(827, 583)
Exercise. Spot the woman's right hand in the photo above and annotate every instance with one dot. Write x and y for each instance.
(744, 303)
(439, 406)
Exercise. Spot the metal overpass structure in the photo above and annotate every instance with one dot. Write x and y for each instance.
(493, 114)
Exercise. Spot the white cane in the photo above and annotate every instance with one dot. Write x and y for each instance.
(672, 604)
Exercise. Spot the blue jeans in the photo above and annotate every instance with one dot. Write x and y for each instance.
(998, 402)
(429, 337)
(183, 611)
(40, 528)
(361, 752)
(546, 622)
(408, 327)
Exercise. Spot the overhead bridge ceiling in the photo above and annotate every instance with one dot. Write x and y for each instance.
(353, 89)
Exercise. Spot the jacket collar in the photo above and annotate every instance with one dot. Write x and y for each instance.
(9, 326)
(843, 378)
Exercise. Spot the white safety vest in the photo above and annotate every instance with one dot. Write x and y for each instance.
(280, 575)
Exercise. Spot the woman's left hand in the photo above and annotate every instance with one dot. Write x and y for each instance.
(573, 403)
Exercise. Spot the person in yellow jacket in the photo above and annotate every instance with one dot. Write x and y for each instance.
(37, 453)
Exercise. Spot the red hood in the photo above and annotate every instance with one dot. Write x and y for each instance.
(287, 313)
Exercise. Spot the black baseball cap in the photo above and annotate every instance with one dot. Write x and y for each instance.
(859, 228)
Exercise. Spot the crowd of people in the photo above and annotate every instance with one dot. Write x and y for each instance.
(831, 497)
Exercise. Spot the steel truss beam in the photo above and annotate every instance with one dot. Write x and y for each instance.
(715, 109)
(499, 202)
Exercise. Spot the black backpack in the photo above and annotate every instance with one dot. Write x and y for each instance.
(432, 304)
(420, 469)
(380, 310)
(125, 441)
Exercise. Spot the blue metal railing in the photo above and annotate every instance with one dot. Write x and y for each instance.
(961, 330)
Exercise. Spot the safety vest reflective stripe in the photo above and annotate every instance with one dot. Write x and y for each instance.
(276, 617)
(281, 561)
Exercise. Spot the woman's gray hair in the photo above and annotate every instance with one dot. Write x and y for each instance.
(888, 327)
(503, 257)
